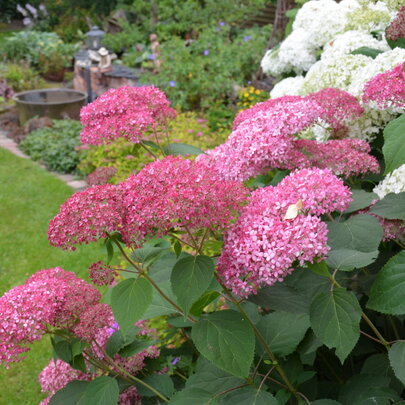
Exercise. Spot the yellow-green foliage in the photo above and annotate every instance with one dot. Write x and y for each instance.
(248, 96)
(128, 158)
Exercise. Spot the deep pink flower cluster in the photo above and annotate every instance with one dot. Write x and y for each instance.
(338, 109)
(56, 375)
(387, 90)
(87, 216)
(345, 157)
(396, 29)
(262, 138)
(102, 274)
(101, 175)
(263, 245)
(177, 193)
(127, 112)
(50, 297)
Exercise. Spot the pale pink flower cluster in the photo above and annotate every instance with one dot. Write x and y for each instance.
(50, 297)
(262, 247)
(263, 136)
(101, 175)
(127, 112)
(345, 157)
(56, 375)
(177, 193)
(102, 274)
(387, 90)
(87, 216)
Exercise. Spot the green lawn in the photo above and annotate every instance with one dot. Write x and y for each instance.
(29, 198)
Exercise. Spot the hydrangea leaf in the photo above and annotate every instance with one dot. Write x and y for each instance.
(227, 340)
(335, 318)
(248, 396)
(101, 391)
(396, 355)
(71, 394)
(190, 278)
(394, 144)
(182, 149)
(392, 206)
(361, 199)
(195, 396)
(387, 293)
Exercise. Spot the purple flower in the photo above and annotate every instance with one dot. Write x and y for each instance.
(247, 38)
(221, 23)
(152, 56)
(206, 52)
(172, 83)
(217, 29)
(175, 360)
(27, 21)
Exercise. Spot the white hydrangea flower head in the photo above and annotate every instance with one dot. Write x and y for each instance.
(369, 17)
(394, 182)
(345, 43)
(291, 86)
(383, 62)
(335, 72)
(394, 5)
(272, 65)
(297, 51)
(369, 124)
(321, 20)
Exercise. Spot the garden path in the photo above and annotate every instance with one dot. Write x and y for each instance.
(11, 146)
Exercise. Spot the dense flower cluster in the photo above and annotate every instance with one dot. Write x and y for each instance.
(56, 375)
(102, 274)
(264, 243)
(263, 136)
(50, 297)
(127, 112)
(394, 182)
(87, 216)
(386, 91)
(345, 157)
(178, 193)
(101, 175)
(396, 29)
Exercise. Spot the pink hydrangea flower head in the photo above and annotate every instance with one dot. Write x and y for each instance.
(101, 175)
(338, 109)
(50, 297)
(387, 90)
(130, 397)
(264, 140)
(92, 319)
(396, 29)
(87, 216)
(127, 112)
(178, 193)
(57, 374)
(344, 157)
(102, 274)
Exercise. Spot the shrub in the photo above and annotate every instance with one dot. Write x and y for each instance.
(55, 147)
(21, 77)
(208, 69)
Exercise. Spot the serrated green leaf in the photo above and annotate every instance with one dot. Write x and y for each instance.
(377, 364)
(282, 297)
(249, 396)
(335, 319)
(280, 336)
(195, 396)
(190, 278)
(134, 347)
(101, 391)
(147, 254)
(70, 394)
(129, 301)
(63, 350)
(326, 402)
(211, 378)
(110, 250)
(394, 144)
(203, 301)
(160, 382)
(361, 199)
(354, 243)
(387, 293)
(119, 339)
(78, 363)
(365, 50)
(392, 206)
(182, 149)
(319, 268)
(227, 340)
(396, 355)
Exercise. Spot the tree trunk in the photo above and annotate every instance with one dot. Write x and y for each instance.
(280, 21)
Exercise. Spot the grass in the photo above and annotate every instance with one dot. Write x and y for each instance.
(29, 198)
